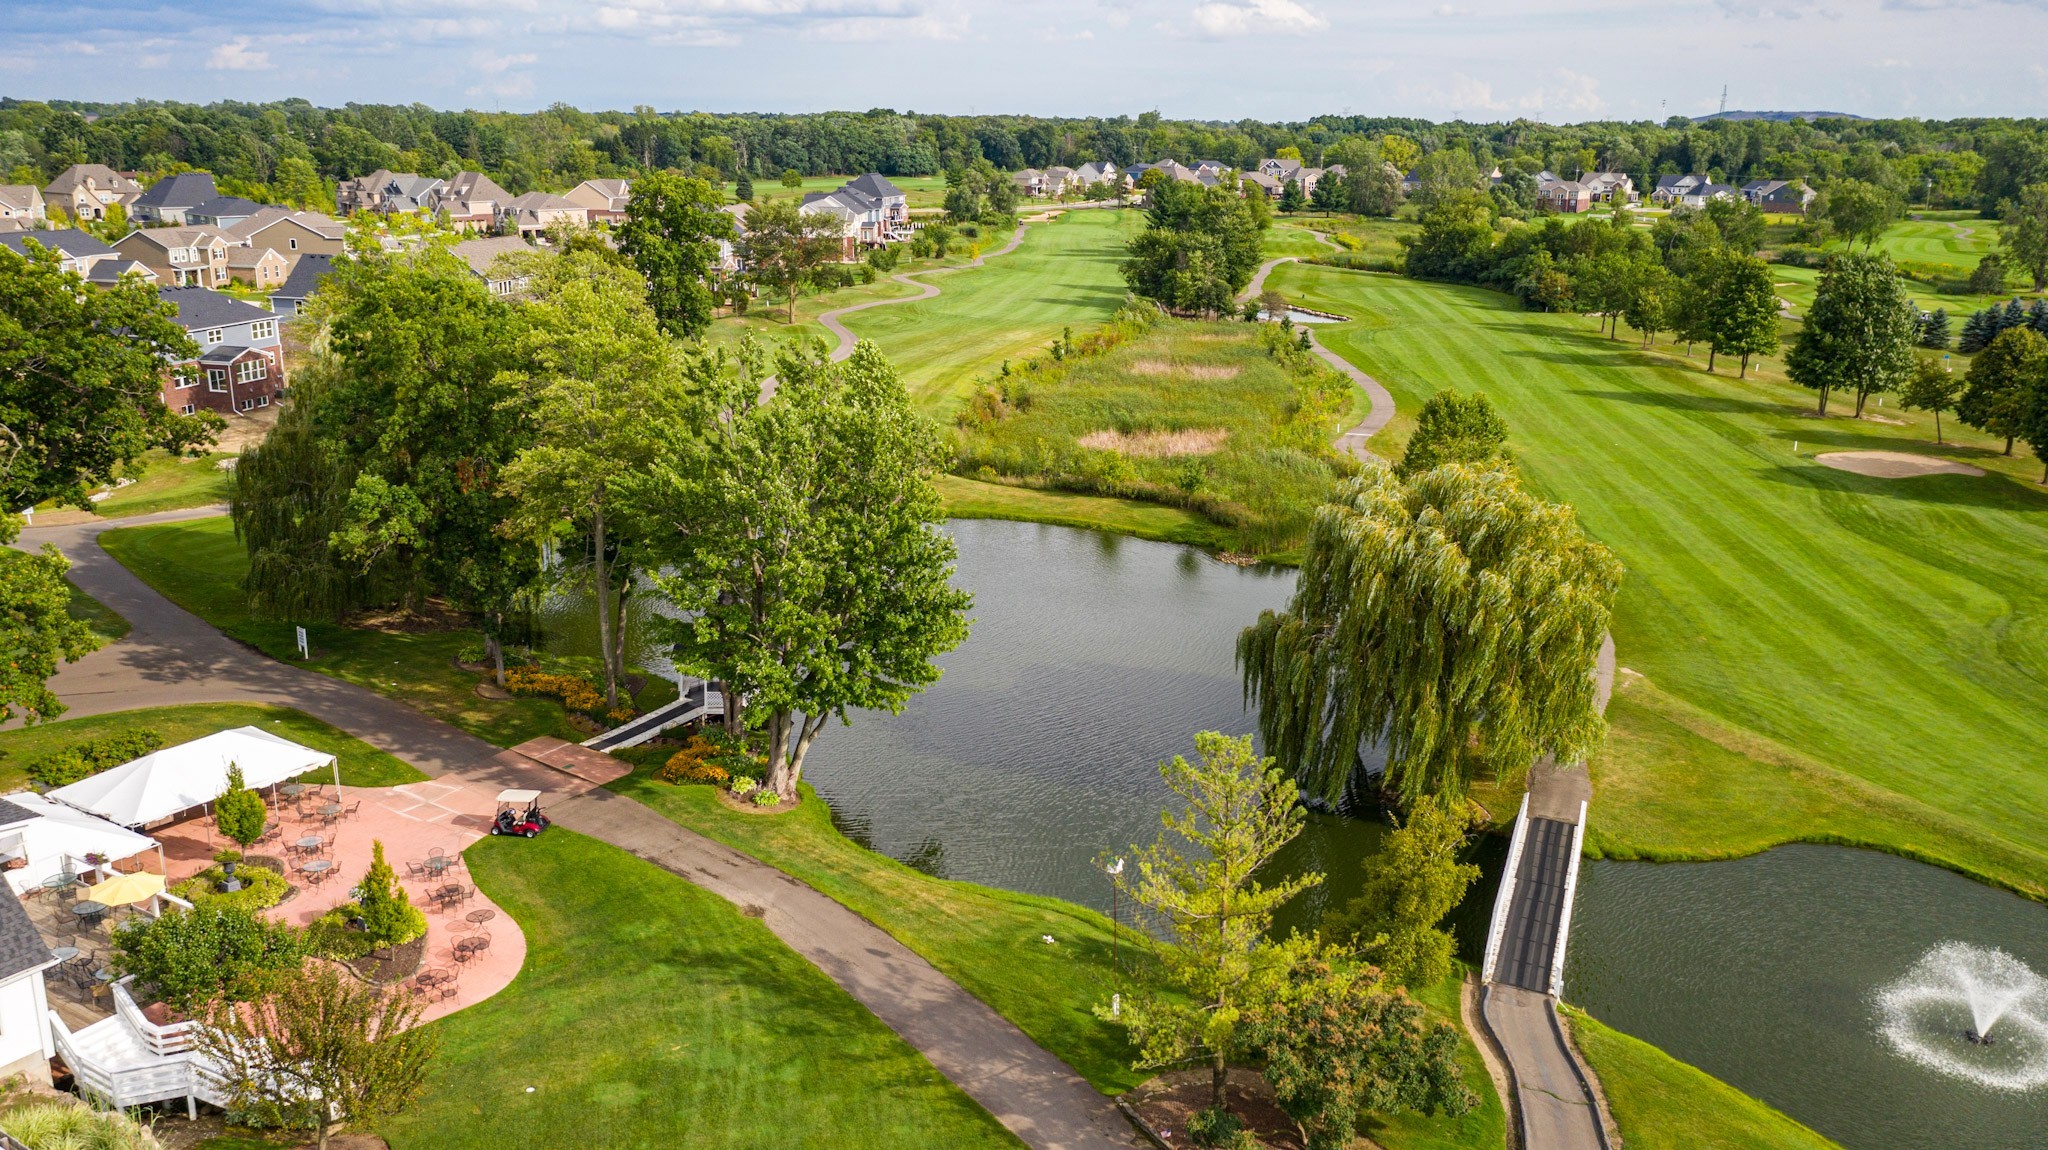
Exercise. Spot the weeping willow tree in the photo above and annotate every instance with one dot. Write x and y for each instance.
(1454, 617)
(290, 495)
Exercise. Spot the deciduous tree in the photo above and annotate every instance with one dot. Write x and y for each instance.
(1482, 662)
(671, 234)
(1858, 334)
(789, 251)
(797, 539)
(1742, 315)
(1999, 398)
(1410, 885)
(1201, 878)
(2023, 233)
(1933, 387)
(1858, 210)
(1454, 428)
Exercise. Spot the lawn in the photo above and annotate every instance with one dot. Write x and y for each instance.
(1285, 240)
(361, 764)
(972, 499)
(1798, 285)
(1810, 654)
(199, 565)
(164, 482)
(653, 1013)
(767, 319)
(1065, 275)
(1660, 1103)
(1197, 415)
(1484, 1127)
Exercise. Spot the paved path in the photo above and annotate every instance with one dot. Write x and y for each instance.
(1382, 411)
(172, 657)
(925, 291)
(1037, 1096)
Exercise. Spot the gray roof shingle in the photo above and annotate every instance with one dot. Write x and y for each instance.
(305, 278)
(70, 241)
(22, 948)
(200, 307)
(184, 190)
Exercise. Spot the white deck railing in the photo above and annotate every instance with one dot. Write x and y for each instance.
(1506, 894)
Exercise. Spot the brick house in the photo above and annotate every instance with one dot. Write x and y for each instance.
(241, 358)
(604, 200)
(1564, 196)
(470, 201)
(180, 257)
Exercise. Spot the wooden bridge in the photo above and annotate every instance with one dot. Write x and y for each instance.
(698, 700)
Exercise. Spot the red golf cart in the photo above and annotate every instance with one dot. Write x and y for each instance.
(519, 813)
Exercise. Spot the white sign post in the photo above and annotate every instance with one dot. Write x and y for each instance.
(303, 654)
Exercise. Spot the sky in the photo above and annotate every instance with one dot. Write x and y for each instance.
(1555, 60)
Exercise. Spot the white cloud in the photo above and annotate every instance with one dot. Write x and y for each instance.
(237, 56)
(493, 64)
(868, 29)
(1251, 16)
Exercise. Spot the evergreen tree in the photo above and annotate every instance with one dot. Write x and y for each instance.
(1329, 195)
(239, 812)
(389, 918)
(2003, 378)
(743, 191)
(1978, 331)
(1934, 330)
(1410, 885)
(1291, 199)
(2037, 316)
(2014, 315)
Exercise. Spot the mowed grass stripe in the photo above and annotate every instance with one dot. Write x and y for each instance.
(1064, 274)
(1892, 630)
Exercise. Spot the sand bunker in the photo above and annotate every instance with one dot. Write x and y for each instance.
(1894, 464)
(1190, 370)
(1158, 444)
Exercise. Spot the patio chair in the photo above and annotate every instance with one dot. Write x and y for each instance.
(353, 808)
(327, 844)
(415, 870)
(436, 852)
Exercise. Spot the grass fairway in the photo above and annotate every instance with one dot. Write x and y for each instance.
(989, 941)
(1661, 1103)
(362, 765)
(653, 1013)
(1813, 654)
(199, 565)
(1063, 275)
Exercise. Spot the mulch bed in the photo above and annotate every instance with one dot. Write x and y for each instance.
(1166, 1102)
(384, 967)
(746, 806)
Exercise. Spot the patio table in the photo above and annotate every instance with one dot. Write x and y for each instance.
(468, 948)
(105, 974)
(64, 953)
(292, 790)
(481, 917)
(317, 866)
(310, 842)
(63, 881)
(88, 911)
(331, 809)
(435, 864)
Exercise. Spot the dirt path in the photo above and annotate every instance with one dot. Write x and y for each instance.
(172, 657)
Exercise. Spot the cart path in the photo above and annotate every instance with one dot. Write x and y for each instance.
(847, 339)
(1352, 441)
(1038, 1097)
(172, 657)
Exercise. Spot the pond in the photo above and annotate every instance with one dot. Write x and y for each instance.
(1093, 657)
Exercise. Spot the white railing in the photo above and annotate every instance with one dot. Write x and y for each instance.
(1564, 914)
(120, 1087)
(174, 1038)
(1506, 895)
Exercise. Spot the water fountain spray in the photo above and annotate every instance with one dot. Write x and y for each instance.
(1973, 1012)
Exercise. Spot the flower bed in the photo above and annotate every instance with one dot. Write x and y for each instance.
(577, 693)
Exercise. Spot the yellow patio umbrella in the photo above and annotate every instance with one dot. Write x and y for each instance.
(126, 888)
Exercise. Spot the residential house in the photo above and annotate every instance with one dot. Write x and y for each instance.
(1210, 168)
(895, 202)
(86, 191)
(1788, 197)
(1172, 169)
(863, 222)
(180, 257)
(1273, 188)
(728, 248)
(1690, 191)
(1096, 172)
(1281, 170)
(21, 207)
(77, 252)
(1713, 191)
(536, 212)
(222, 212)
(482, 256)
(26, 1044)
(362, 193)
(1556, 195)
(1030, 182)
(384, 191)
(241, 359)
(1058, 179)
(300, 283)
(259, 267)
(1610, 187)
(293, 234)
(169, 200)
(470, 200)
(604, 200)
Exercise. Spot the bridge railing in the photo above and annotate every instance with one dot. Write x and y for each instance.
(1564, 921)
(1506, 897)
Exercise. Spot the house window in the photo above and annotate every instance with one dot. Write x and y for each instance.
(292, 242)
(215, 335)
(187, 409)
(245, 404)
(263, 401)
(263, 329)
(216, 379)
(188, 380)
(252, 369)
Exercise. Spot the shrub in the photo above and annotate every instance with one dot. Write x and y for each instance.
(333, 935)
(71, 764)
(744, 786)
(240, 812)
(1219, 1128)
(64, 1125)
(261, 888)
(186, 957)
(389, 918)
(766, 798)
(576, 692)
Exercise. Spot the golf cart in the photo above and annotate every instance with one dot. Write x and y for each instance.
(519, 814)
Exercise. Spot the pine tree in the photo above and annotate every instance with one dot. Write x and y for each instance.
(744, 190)
(2037, 317)
(2014, 315)
(1934, 331)
(1978, 331)
(1291, 199)
(389, 918)
(239, 812)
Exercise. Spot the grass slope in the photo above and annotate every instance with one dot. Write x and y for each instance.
(1484, 1127)
(652, 1013)
(1870, 653)
(1661, 1103)
(362, 765)
(199, 565)
(1065, 274)
(972, 499)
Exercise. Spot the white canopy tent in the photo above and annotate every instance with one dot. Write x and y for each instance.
(59, 840)
(163, 783)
